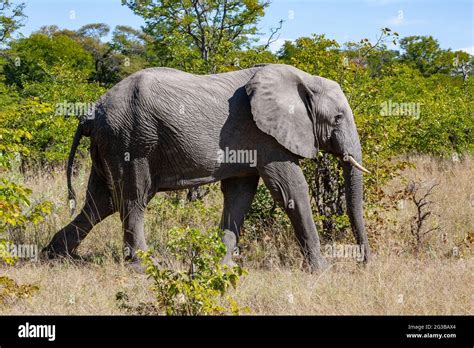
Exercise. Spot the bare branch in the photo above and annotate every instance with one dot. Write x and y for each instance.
(274, 31)
(422, 215)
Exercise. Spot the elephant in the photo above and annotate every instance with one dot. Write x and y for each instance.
(162, 129)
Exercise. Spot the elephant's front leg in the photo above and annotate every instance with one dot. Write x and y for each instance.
(238, 197)
(289, 189)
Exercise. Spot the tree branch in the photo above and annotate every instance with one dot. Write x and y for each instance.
(273, 31)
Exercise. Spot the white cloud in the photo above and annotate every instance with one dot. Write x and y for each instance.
(469, 50)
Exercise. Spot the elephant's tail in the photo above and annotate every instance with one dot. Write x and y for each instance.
(83, 129)
(70, 162)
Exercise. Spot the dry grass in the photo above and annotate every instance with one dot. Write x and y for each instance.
(452, 209)
(388, 286)
(437, 282)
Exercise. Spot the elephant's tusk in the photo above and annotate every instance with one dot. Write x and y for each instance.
(349, 158)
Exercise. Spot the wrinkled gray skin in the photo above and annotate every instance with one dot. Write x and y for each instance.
(160, 129)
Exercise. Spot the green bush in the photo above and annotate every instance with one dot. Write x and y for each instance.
(16, 210)
(44, 110)
(30, 57)
(11, 290)
(199, 285)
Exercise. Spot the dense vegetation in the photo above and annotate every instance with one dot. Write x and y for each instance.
(417, 98)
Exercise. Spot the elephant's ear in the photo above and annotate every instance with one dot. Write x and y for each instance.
(281, 103)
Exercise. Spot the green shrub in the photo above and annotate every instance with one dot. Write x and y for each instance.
(16, 210)
(30, 57)
(40, 111)
(199, 284)
(11, 291)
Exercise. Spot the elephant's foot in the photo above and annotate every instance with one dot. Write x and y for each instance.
(227, 261)
(318, 265)
(368, 260)
(367, 255)
(52, 253)
(136, 265)
(230, 241)
(63, 244)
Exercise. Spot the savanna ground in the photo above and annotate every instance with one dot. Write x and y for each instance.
(437, 279)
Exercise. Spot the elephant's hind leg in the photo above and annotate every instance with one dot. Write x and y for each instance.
(132, 215)
(98, 205)
(238, 196)
(289, 189)
(136, 194)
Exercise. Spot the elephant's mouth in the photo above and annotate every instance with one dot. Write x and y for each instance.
(348, 158)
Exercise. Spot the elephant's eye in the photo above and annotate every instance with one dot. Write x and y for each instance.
(338, 118)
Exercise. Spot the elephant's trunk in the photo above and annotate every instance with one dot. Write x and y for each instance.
(354, 199)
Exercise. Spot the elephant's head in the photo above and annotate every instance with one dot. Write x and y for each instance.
(306, 113)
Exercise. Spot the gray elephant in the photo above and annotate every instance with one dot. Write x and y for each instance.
(162, 129)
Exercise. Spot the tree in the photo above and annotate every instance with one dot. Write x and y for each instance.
(463, 64)
(114, 60)
(132, 46)
(128, 40)
(94, 30)
(424, 53)
(50, 30)
(316, 55)
(209, 27)
(29, 57)
(106, 64)
(11, 19)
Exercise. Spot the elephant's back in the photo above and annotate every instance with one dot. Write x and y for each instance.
(176, 116)
(174, 97)
(177, 91)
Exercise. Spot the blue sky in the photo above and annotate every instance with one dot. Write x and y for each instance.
(451, 22)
